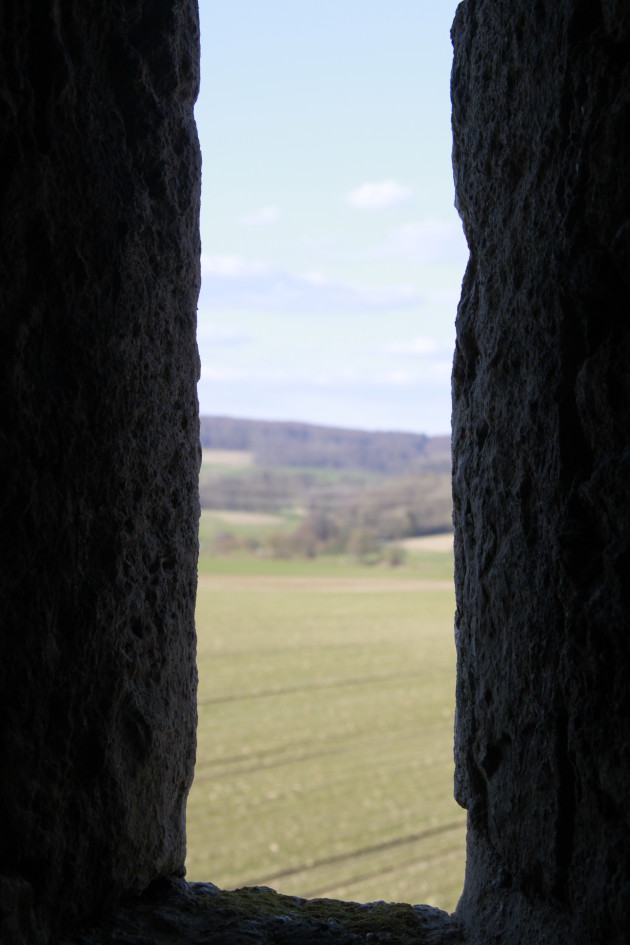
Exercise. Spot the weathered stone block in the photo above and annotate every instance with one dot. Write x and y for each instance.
(541, 463)
(99, 441)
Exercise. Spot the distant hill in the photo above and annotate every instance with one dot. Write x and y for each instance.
(287, 444)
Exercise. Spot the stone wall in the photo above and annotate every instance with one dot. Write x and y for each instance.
(99, 455)
(541, 463)
(99, 452)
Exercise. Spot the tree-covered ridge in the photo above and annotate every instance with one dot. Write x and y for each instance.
(275, 444)
(335, 490)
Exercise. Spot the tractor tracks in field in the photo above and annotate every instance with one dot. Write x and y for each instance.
(235, 766)
(370, 850)
(303, 750)
(323, 891)
(240, 769)
(310, 687)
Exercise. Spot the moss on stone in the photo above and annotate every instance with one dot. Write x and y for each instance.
(343, 921)
(174, 912)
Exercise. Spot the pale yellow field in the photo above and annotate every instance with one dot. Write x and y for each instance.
(238, 459)
(325, 739)
(429, 543)
(244, 518)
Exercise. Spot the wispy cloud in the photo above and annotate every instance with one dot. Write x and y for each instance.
(231, 267)
(217, 335)
(219, 375)
(262, 217)
(427, 241)
(379, 195)
(417, 347)
(238, 283)
(432, 372)
(318, 377)
(449, 297)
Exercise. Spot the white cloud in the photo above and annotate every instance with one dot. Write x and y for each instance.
(262, 217)
(396, 379)
(426, 241)
(223, 375)
(379, 196)
(230, 267)
(317, 376)
(217, 335)
(444, 297)
(432, 372)
(441, 370)
(237, 283)
(346, 377)
(416, 346)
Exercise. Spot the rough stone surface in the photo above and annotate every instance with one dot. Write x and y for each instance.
(99, 454)
(541, 463)
(174, 912)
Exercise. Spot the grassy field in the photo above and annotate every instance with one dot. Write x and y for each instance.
(326, 702)
(255, 524)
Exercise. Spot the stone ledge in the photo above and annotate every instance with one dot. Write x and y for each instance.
(174, 912)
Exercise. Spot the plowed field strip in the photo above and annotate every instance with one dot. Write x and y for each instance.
(362, 851)
(274, 757)
(240, 766)
(399, 867)
(310, 687)
(266, 583)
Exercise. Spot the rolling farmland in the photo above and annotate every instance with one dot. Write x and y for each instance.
(326, 704)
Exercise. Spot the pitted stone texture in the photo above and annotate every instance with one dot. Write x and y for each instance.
(177, 913)
(541, 465)
(99, 449)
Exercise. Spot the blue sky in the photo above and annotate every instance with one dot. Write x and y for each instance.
(332, 257)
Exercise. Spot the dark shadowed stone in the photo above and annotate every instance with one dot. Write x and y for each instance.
(99, 452)
(179, 913)
(99, 260)
(541, 466)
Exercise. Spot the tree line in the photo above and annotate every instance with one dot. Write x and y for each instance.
(288, 444)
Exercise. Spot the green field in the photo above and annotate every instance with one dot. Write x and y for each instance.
(326, 704)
